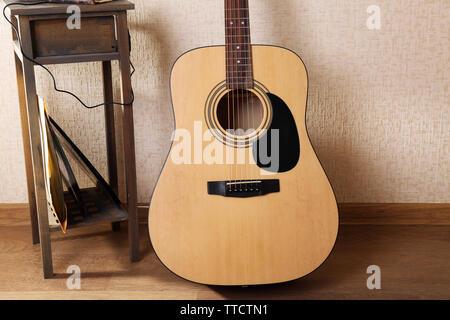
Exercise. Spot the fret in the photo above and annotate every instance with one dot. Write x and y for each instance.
(243, 72)
(240, 64)
(234, 24)
(244, 65)
(240, 86)
(231, 73)
(237, 19)
(234, 27)
(243, 62)
(239, 54)
(239, 76)
(238, 60)
(239, 80)
(232, 20)
(243, 58)
(245, 84)
(233, 51)
(238, 47)
(242, 78)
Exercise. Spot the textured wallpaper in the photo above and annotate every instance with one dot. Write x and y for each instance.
(378, 112)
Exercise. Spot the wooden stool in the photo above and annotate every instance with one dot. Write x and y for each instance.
(46, 39)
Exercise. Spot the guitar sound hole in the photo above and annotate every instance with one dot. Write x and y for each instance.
(240, 112)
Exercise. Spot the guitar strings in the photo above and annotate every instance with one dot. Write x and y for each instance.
(238, 96)
(240, 84)
(233, 90)
(250, 60)
(253, 129)
(245, 93)
(238, 75)
(242, 27)
(238, 34)
(227, 57)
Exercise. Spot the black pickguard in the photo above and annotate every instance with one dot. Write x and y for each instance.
(289, 142)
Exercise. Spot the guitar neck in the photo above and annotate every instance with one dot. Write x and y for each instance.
(238, 45)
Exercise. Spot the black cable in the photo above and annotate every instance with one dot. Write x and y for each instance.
(48, 71)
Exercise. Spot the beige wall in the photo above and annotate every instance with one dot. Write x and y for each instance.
(378, 110)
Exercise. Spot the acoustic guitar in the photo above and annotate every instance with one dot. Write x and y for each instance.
(242, 198)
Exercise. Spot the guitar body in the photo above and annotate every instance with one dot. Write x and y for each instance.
(271, 238)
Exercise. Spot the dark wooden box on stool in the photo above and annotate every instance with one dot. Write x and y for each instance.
(47, 40)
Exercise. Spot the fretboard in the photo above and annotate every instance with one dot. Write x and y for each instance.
(238, 45)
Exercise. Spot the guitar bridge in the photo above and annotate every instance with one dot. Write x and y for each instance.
(243, 188)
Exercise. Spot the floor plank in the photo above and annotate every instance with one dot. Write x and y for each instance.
(395, 213)
(414, 262)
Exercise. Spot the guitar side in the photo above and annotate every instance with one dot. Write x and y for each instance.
(233, 241)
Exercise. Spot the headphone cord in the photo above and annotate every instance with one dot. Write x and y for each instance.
(49, 72)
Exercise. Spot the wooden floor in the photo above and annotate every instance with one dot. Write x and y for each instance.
(414, 261)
